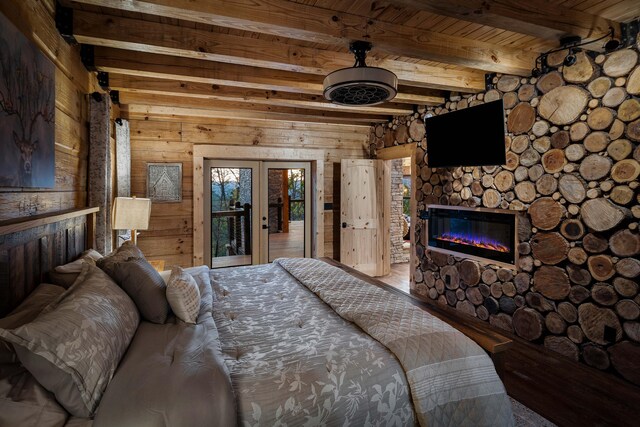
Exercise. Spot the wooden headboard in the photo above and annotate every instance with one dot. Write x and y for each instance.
(30, 247)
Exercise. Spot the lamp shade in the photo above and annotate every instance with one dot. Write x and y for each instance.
(131, 213)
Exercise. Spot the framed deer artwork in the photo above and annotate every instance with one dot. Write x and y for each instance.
(27, 107)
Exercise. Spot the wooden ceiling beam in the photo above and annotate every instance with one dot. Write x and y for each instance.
(209, 104)
(135, 111)
(152, 86)
(153, 37)
(315, 24)
(539, 18)
(216, 73)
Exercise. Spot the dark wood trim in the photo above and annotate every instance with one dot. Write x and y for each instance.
(25, 223)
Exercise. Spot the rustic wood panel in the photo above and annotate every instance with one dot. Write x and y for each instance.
(170, 233)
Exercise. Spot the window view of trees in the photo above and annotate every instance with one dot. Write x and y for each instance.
(406, 194)
(296, 194)
(228, 220)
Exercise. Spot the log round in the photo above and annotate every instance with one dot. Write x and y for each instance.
(626, 170)
(491, 198)
(561, 139)
(555, 323)
(625, 287)
(525, 191)
(469, 272)
(627, 309)
(628, 267)
(601, 267)
(620, 149)
(632, 329)
(539, 302)
(521, 118)
(489, 276)
(450, 276)
(520, 143)
(502, 321)
(579, 294)
(417, 130)
(551, 81)
(482, 312)
(624, 357)
(594, 244)
(553, 160)
(595, 167)
(563, 346)
(510, 100)
(512, 162)
(578, 131)
(508, 83)
(509, 289)
(599, 87)
(401, 134)
(522, 282)
(629, 110)
(529, 157)
(604, 294)
(596, 142)
(496, 290)
(491, 95)
(504, 181)
(546, 213)
(574, 152)
(572, 188)
(474, 295)
(552, 282)
(507, 304)
(577, 255)
(521, 173)
(595, 356)
(620, 62)
(526, 92)
(568, 312)
(575, 334)
(578, 275)
(542, 145)
(601, 215)
(633, 130)
(563, 105)
(528, 323)
(572, 229)
(535, 172)
(549, 248)
(625, 243)
(633, 82)
(491, 305)
(593, 319)
(582, 71)
(600, 118)
(614, 97)
(617, 129)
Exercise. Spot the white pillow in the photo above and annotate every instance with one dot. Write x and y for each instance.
(183, 295)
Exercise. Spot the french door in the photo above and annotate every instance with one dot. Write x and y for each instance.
(256, 211)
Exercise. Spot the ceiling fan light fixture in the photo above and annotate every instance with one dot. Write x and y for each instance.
(360, 85)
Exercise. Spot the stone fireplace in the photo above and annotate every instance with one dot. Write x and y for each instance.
(484, 234)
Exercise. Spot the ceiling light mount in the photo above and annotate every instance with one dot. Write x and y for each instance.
(360, 84)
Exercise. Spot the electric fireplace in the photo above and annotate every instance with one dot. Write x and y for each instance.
(484, 234)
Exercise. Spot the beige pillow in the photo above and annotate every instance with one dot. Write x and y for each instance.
(90, 256)
(183, 295)
(74, 346)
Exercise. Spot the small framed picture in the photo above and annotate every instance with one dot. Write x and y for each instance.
(164, 182)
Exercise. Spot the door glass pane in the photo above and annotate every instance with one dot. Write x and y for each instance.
(286, 213)
(231, 207)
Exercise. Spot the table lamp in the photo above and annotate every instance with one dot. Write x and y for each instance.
(131, 213)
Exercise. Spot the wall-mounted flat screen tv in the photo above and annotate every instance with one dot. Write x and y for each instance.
(473, 136)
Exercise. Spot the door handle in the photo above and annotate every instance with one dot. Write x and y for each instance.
(265, 226)
(344, 225)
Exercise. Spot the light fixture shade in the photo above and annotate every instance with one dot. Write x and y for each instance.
(131, 213)
(360, 86)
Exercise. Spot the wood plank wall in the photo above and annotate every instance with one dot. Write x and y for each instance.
(35, 18)
(160, 140)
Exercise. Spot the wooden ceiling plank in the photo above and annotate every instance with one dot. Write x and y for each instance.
(145, 36)
(314, 24)
(539, 18)
(158, 87)
(152, 111)
(170, 67)
(199, 103)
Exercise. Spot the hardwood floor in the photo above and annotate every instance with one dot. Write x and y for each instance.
(398, 278)
(289, 245)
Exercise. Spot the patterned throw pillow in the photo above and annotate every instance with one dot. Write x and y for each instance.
(74, 346)
(183, 295)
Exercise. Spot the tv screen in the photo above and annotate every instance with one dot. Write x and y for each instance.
(473, 136)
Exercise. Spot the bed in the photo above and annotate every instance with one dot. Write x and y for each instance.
(295, 342)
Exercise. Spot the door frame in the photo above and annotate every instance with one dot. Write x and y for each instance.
(400, 152)
(234, 152)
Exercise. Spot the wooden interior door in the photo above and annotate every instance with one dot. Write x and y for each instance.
(364, 233)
